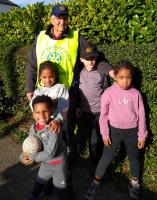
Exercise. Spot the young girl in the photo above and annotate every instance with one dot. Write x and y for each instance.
(48, 86)
(122, 119)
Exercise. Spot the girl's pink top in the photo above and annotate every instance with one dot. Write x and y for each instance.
(122, 109)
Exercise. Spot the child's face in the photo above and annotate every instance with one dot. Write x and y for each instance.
(42, 113)
(48, 77)
(124, 78)
(88, 63)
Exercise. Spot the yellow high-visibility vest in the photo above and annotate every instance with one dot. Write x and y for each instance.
(62, 53)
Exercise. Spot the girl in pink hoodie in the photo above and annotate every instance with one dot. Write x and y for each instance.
(122, 119)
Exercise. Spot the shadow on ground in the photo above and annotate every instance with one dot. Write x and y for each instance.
(16, 180)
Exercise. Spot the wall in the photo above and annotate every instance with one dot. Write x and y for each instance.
(5, 8)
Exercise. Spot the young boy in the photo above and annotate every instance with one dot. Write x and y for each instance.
(93, 81)
(52, 158)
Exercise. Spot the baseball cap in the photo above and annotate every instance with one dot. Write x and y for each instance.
(59, 9)
(88, 52)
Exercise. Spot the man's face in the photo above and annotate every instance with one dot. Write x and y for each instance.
(41, 113)
(59, 23)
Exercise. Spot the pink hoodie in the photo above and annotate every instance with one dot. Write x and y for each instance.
(122, 109)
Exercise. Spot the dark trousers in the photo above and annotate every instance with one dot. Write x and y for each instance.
(58, 193)
(88, 131)
(130, 139)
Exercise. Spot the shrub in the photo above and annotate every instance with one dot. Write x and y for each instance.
(12, 79)
(99, 21)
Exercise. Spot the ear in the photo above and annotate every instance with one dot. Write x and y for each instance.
(51, 19)
(81, 59)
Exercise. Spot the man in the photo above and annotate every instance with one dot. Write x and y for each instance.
(62, 46)
(59, 44)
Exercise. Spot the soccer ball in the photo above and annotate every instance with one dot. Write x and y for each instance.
(32, 144)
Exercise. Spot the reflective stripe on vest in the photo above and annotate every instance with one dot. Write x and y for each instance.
(61, 52)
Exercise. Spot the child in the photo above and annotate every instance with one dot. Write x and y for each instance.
(122, 118)
(93, 81)
(52, 158)
(48, 86)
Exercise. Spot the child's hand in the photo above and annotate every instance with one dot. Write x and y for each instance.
(141, 144)
(54, 126)
(78, 112)
(107, 142)
(25, 159)
(111, 74)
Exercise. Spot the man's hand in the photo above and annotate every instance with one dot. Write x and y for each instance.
(29, 96)
(107, 142)
(54, 126)
(141, 144)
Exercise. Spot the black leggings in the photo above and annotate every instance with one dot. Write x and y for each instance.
(130, 139)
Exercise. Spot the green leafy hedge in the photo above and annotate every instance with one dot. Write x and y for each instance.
(113, 21)
(22, 24)
(12, 78)
(102, 21)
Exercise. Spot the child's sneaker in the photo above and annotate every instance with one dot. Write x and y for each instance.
(92, 191)
(134, 191)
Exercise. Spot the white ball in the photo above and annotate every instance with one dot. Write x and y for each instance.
(32, 144)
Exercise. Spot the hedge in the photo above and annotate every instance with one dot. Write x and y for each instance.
(99, 21)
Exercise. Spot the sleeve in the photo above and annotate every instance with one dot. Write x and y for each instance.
(36, 93)
(142, 130)
(105, 67)
(32, 131)
(49, 151)
(31, 69)
(60, 113)
(103, 120)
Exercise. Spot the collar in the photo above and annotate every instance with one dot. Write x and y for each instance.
(49, 31)
(39, 127)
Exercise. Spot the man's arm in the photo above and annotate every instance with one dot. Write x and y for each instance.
(31, 71)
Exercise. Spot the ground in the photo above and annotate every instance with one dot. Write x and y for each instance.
(16, 180)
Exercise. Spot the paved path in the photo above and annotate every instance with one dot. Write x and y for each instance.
(16, 180)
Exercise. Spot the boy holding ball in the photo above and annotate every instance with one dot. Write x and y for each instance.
(52, 157)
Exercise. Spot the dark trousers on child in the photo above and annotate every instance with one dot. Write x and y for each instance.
(56, 173)
(88, 130)
(130, 139)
